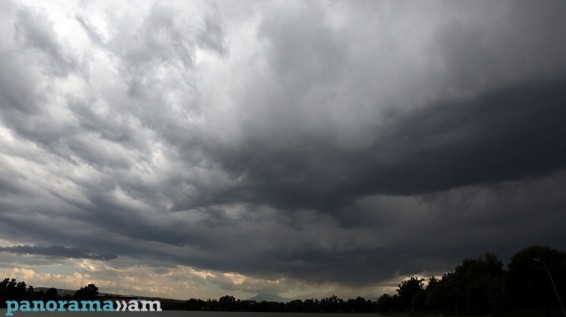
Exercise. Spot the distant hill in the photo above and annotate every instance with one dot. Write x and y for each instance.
(60, 291)
(257, 298)
(69, 292)
(269, 298)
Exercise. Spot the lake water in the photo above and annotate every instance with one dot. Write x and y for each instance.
(182, 314)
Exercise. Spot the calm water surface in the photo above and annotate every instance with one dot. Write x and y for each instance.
(181, 314)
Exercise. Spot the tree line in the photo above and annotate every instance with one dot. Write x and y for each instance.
(10, 289)
(477, 286)
(331, 304)
(531, 285)
(482, 285)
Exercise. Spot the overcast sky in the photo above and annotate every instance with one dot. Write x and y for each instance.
(300, 148)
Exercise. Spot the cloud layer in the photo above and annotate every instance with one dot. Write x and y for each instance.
(277, 147)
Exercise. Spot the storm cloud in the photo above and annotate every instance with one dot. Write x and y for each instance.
(278, 147)
(57, 251)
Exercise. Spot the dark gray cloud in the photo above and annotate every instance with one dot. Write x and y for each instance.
(57, 251)
(284, 141)
(506, 134)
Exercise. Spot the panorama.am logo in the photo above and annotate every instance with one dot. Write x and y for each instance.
(132, 305)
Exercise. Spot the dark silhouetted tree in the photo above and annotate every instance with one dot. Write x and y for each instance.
(331, 304)
(388, 304)
(478, 284)
(51, 294)
(411, 293)
(195, 304)
(358, 305)
(311, 305)
(295, 306)
(88, 292)
(529, 285)
(227, 303)
(10, 289)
